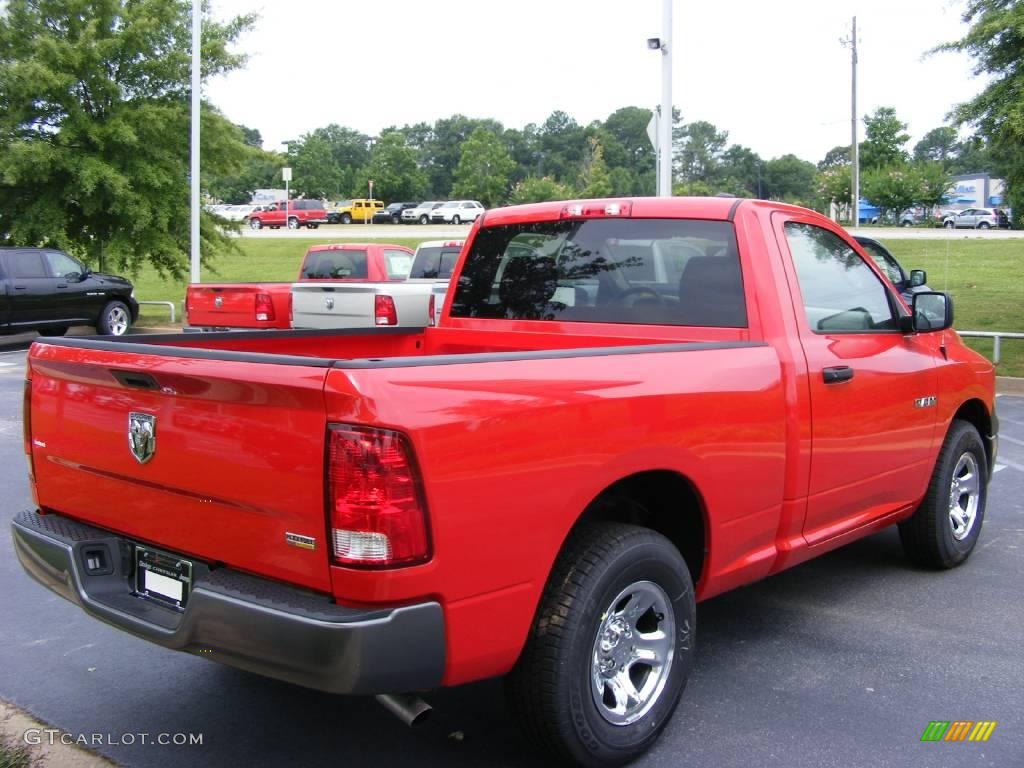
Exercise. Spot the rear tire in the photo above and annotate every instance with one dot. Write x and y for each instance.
(610, 649)
(983, 225)
(943, 531)
(115, 319)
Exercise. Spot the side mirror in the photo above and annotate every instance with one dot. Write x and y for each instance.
(918, 277)
(932, 311)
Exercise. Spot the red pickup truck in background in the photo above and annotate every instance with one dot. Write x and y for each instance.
(261, 306)
(542, 486)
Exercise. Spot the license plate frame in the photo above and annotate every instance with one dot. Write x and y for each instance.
(162, 577)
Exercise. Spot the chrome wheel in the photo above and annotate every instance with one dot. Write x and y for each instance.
(118, 321)
(633, 653)
(964, 494)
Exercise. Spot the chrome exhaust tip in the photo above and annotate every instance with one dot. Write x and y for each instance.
(407, 707)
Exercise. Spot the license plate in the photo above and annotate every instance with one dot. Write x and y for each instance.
(162, 577)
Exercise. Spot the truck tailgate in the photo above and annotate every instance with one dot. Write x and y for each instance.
(352, 305)
(233, 305)
(236, 463)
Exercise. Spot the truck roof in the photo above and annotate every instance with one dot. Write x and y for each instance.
(710, 208)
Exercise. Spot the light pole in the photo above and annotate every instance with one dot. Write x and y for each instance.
(664, 148)
(197, 12)
(854, 147)
(286, 175)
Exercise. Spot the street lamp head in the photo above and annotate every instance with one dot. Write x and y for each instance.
(654, 43)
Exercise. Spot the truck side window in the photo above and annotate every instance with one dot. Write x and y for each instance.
(27, 264)
(643, 271)
(840, 292)
(62, 265)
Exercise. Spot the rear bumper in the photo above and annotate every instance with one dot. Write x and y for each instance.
(247, 622)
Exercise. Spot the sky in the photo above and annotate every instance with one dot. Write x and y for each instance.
(773, 74)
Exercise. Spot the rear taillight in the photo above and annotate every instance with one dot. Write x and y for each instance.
(26, 430)
(376, 513)
(265, 307)
(431, 308)
(384, 312)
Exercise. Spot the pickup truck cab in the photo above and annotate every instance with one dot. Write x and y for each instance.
(541, 487)
(414, 302)
(45, 290)
(264, 306)
(293, 214)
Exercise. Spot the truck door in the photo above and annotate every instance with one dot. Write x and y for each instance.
(75, 296)
(872, 388)
(31, 289)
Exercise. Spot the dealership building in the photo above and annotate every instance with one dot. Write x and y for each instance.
(975, 190)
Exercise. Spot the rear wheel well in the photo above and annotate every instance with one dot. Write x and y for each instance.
(974, 412)
(661, 500)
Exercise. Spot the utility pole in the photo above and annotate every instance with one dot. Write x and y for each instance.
(197, 11)
(855, 147)
(665, 126)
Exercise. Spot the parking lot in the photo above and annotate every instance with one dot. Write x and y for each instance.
(842, 661)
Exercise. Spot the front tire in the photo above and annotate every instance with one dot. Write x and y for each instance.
(115, 319)
(456, 219)
(255, 224)
(949, 225)
(424, 219)
(346, 218)
(611, 646)
(943, 531)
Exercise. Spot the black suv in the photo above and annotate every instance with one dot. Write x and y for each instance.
(392, 214)
(48, 291)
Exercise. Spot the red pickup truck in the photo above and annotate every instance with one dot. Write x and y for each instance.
(628, 406)
(261, 306)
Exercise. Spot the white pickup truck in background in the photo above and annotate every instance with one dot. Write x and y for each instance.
(412, 303)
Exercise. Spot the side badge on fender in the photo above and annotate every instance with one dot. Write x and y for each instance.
(141, 436)
(925, 402)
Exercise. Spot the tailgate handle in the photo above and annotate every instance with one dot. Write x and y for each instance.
(837, 374)
(135, 379)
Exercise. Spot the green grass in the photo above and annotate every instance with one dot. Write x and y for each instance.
(13, 755)
(986, 280)
(985, 277)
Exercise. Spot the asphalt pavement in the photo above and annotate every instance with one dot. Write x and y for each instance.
(842, 661)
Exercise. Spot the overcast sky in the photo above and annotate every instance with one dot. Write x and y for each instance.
(772, 73)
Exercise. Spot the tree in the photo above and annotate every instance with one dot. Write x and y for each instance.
(892, 189)
(833, 185)
(740, 171)
(483, 170)
(699, 152)
(562, 143)
(394, 171)
(445, 149)
(932, 182)
(884, 138)
(790, 179)
(938, 145)
(836, 156)
(94, 137)
(258, 170)
(325, 161)
(996, 41)
(538, 190)
(595, 181)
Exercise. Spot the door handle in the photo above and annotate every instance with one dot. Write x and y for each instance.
(62, 285)
(837, 374)
(21, 287)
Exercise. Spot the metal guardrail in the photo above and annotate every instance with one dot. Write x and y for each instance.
(168, 304)
(996, 336)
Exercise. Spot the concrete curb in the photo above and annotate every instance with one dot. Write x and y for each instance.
(1009, 385)
(15, 724)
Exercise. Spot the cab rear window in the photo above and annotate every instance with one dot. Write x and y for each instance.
(644, 271)
(435, 262)
(336, 265)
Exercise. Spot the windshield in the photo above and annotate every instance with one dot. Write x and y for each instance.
(435, 262)
(348, 264)
(649, 271)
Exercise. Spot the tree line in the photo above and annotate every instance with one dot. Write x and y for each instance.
(94, 139)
